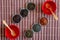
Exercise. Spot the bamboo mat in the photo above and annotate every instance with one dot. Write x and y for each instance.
(8, 8)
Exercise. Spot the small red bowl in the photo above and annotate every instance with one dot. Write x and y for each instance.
(47, 11)
(8, 33)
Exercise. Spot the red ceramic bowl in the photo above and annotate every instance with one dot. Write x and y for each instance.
(8, 33)
(47, 11)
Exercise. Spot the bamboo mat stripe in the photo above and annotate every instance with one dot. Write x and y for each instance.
(8, 8)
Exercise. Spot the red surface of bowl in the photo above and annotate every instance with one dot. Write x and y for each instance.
(47, 11)
(8, 33)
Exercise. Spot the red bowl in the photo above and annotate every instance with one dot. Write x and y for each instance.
(8, 33)
(47, 11)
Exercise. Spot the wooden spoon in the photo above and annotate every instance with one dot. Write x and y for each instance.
(49, 7)
(12, 32)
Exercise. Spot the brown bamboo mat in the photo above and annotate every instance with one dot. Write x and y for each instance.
(8, 8)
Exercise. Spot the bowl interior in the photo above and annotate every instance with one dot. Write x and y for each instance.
(8, 33)
(46, 10)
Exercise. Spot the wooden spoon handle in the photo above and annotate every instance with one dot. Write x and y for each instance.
(12, 32)
(6, 25)
(54, 15)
